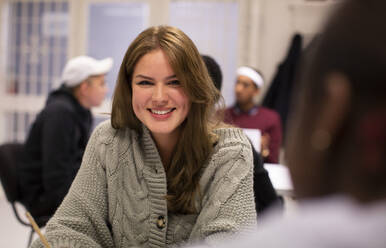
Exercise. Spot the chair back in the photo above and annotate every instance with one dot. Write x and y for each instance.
(10, 154)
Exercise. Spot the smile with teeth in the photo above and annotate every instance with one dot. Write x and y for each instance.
(161, 112)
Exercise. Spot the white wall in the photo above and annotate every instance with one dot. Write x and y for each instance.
(266, 28)
(3, 37)
(279, 20)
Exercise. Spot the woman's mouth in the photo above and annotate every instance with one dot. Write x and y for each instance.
(161, 114)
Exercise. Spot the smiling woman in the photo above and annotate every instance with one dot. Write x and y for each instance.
(163, 172)
(158, 58)
(159, 101)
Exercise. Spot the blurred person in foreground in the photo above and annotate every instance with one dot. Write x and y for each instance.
(337, 148)
(265, 194)
(162, 172)
(247, 114)
(57, 139)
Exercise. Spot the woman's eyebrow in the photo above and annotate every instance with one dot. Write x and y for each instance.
(150, 78)
(170, 77)
(145, 77)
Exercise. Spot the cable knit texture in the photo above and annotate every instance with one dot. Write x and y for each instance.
(118, 196)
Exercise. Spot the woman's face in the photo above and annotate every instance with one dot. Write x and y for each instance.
(158, 100)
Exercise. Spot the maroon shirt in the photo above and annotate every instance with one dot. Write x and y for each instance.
(266, 120)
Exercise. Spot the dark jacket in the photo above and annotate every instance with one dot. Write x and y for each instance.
(279, 94)
(264, 192)
(53, 152)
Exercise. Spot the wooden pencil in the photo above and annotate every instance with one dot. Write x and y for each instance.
(37, 230)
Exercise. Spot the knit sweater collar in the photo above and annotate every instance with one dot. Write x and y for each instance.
(153, 158)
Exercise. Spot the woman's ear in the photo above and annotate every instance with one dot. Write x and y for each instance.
(333, 111)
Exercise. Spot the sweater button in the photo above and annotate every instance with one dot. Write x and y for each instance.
(161, 222)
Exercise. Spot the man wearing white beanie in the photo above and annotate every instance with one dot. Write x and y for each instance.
(58, 137)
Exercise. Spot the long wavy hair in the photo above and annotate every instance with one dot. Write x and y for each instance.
(196, 139)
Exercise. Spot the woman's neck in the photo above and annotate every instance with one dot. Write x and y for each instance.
(166, 144)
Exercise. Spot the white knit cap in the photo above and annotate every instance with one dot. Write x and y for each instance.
(252, 74)
(80, 68)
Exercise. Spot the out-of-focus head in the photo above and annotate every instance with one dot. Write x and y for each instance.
(214, 70)
(186, 63)
(86, 76)
(81, 68)
(337, 141)
(93, 91)
(248, 84)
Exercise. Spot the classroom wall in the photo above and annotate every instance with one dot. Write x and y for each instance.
(265, 28)
(279, 21)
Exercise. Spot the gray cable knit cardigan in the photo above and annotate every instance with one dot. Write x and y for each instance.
(118, 196)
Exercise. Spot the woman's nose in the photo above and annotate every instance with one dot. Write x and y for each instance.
(159, 94)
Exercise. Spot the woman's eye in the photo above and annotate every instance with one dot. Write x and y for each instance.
(174, 83)
(144, 82)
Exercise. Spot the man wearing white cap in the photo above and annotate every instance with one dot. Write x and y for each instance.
(246, 114)
(58, 137)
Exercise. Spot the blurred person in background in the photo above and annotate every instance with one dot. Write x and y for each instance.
(265, 194)
(247, 114)
(336, 150)
(57, 139)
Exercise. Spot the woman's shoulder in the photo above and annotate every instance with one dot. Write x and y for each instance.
(111, 143)
(231, 137)
(232, 144)
(105, 133)
(231, 162)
